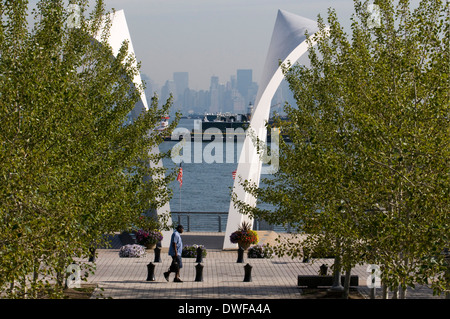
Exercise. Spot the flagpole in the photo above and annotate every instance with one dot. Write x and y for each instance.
(180, 180)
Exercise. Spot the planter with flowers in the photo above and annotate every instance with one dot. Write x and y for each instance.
(148, 238)
(133, 250)
(244, 236)
(191, 251)
(260, 251)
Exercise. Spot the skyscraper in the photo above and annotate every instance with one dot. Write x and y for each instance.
(167, 89)
(214, 94)
(181, 80)
(244, 82)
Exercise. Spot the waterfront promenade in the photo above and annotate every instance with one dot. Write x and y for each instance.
(223, 277)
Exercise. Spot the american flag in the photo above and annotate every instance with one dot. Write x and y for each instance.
(180, 176)
(234, 174)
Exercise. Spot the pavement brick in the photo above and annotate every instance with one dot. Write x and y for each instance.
(275, 278)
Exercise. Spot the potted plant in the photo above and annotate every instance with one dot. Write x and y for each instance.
(147, 233)
(191, 251)
(260, 251)
(132, 251)
(244, 236)
(148, 238)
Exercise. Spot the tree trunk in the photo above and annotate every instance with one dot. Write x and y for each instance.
(395, 293)
(60, 271)
(402, 293)
(384, 292)
(347, 283)
(337, 274)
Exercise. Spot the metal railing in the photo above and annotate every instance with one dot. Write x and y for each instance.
(214, 222)
(201, 221)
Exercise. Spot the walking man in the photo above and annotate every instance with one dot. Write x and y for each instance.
(175, 249)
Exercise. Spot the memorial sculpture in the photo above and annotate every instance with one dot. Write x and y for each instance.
(119, 33)
(288, 44)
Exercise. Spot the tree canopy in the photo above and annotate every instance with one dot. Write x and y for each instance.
(366, 176)
(74, 158)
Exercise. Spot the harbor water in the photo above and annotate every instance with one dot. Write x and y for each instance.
(203, 200)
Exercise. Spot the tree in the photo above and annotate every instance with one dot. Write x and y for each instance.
(366, 174)
(74, 161)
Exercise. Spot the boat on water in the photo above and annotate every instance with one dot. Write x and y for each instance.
(231, 125)
(164, 124)
(224, 121)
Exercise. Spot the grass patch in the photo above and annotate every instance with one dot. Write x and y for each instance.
(84, 292)
(323, 293)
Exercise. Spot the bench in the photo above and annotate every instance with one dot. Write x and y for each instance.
(314, 281)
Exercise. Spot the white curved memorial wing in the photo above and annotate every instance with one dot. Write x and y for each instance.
(118, 34)
(287, 44)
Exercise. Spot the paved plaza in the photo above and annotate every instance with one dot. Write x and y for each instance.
(223, 277)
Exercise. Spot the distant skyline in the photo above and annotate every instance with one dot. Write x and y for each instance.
(210, 38)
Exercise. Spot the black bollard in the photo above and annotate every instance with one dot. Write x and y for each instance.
(199, 272)
(199, 255)
(240, 255)
(248, 273)
(91, 255)
(323, 270)
(157, 255)
(151, 272)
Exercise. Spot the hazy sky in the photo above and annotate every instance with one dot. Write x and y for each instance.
(210, 37)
